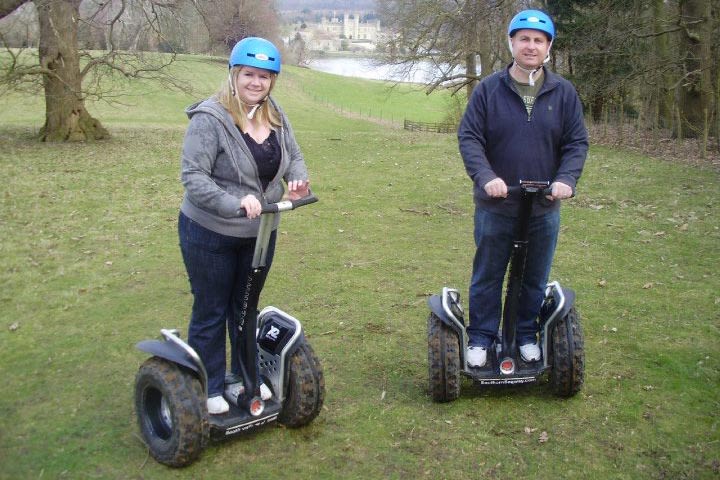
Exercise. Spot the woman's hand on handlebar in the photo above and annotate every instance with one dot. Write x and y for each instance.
(560, 191)
(252, 206)
(496, 188)
(298, 189)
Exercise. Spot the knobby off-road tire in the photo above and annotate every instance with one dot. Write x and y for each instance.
(568, 356)
(305, 388)
(443, 361)
(171, 410)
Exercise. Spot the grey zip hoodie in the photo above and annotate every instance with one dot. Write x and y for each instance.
(217, 170)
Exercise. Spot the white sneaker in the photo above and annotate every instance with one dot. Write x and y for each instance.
(265, 392)
(530, 352)
(476, 356)
(217, 405)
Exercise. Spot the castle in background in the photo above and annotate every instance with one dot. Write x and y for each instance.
(334, 33)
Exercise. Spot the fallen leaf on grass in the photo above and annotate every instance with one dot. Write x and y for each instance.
(14, 326)
(529, 430)
(543, 437)
(648, 285)
(602, 283)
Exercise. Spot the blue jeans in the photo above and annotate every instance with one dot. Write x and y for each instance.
(494, 235)
(218, 267)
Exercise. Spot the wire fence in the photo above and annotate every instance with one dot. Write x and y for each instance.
(429, 127)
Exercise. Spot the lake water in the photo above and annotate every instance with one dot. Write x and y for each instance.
(368, 68)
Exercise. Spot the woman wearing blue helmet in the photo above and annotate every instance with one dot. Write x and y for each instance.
(521, 123)
(239, 149)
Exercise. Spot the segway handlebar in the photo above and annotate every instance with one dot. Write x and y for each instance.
(539, 188)
(284, 205)
(534, 187)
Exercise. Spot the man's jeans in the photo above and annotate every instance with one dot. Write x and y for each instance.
(218, 267)
(494, 235)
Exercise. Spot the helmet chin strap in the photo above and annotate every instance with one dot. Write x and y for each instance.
(531, 73)
(251, 113)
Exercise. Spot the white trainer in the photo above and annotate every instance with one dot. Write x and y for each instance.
(530, 352)
(217, 405)
(265, 392)
(476, 356)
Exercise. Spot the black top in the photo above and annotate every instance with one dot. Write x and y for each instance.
(266, 155)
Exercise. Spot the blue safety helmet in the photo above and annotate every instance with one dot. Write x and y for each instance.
(255, 52)
(534, 20)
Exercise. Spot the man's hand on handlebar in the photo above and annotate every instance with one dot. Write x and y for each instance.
(560, 191)
(496, 188)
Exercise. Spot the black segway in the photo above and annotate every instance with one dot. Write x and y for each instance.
(171, 386)
(561, 337)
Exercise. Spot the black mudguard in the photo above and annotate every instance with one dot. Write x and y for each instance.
(436, 306)
(168, 351)
(174, 353)
(550, 310)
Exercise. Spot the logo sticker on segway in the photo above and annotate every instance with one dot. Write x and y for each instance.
(273, 333)
(274, 336)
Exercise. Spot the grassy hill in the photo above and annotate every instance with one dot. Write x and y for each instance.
(90, 265)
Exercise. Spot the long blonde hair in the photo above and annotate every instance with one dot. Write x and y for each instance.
(266, 113)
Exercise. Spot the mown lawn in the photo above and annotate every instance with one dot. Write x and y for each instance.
(89, 265)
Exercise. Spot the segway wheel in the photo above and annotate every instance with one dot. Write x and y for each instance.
(305, 391)
(568, 356)
(171, 412)
(443, 361)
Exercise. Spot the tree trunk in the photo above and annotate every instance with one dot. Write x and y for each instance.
(664, 93)
(66, 119)
(695, 92)
(597, 107)
(470, 70)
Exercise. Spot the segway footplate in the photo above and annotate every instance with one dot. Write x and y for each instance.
(238, 421)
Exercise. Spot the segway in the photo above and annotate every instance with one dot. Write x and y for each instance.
(561, 337)
(171, 386)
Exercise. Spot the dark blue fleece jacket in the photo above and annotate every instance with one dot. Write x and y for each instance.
(497, 138)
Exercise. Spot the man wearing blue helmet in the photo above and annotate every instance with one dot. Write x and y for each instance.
(239, 148)
(521, 123)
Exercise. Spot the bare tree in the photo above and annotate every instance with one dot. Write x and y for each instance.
(229, 21)
(297, 51)
(70, 75)
(462, 40)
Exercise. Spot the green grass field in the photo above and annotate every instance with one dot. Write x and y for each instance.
(90, 265)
